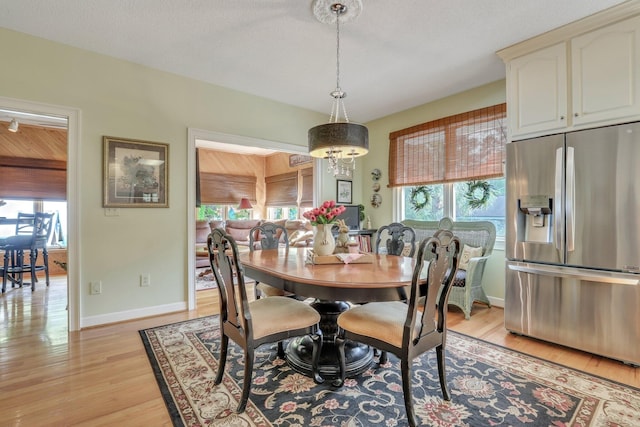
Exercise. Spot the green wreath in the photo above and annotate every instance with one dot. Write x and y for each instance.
(478, 193)
(420, 197)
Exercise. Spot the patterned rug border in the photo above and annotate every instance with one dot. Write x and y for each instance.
(590, 399)
(542, 360)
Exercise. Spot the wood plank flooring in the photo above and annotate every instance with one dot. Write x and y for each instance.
(101, 376)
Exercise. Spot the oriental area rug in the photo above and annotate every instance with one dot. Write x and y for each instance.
(490, 386)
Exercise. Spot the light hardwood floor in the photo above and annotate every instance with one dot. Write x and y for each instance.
(101, 376)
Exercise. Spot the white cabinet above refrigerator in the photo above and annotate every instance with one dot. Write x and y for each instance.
(576, 77)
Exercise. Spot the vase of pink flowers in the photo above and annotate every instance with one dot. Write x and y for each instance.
(322, 218)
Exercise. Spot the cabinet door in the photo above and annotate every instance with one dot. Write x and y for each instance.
(538, 91)
(606, 73)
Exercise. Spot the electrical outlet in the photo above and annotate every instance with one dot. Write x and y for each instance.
(95, 288)
(145, 280)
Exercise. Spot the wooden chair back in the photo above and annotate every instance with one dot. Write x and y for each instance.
(397, 236)
(235, 317)
(270, 236)
(437, 259)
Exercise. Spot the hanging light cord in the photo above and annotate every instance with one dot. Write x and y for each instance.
(338, 95)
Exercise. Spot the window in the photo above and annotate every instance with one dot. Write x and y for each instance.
(282, 213)
(451, 167)
(222, 212)
(14, 206)
(449, 200)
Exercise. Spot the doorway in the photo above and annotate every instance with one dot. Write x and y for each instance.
(203, 138)
(59, 115)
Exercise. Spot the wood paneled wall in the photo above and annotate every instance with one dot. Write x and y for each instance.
(250, 165)
(34, 142)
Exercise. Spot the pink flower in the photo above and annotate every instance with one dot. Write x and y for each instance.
(326, 213)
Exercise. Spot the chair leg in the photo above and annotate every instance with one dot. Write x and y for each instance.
(45, 257)
(246, 386)
(315, 356)
(442, 373)
(340, 342)
(5, 271)
(256, 291)
(405, 367)
(281, 354)
(384, 357)
(224, 344)
(33, 256)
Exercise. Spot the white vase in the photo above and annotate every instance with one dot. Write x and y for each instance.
(323, 241)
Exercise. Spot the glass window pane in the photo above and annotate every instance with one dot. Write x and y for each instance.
(425, 203)
(10, 209)
(59, 233)
(481, 201)
(211, 212)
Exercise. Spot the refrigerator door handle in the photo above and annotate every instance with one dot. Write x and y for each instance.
(574, 273)
(571, 199)
(557, 215)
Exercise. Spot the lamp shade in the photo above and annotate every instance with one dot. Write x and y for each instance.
(245, 204)
(351, 139)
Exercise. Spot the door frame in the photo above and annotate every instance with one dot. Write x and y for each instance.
(73, 116)
(193, 135)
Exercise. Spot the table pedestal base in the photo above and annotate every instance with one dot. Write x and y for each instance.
(358, 356)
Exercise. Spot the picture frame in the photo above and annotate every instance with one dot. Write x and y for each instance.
(135, 173)
(344, 191)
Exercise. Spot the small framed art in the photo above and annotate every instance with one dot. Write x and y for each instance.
(343, 191)
(135, 173)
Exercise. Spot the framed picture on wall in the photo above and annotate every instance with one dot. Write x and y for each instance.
(343, 191)
(135, 173)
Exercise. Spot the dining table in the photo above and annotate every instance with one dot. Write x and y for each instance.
(334, 288)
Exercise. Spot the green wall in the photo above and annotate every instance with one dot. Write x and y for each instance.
(123, 99)
(378, 157)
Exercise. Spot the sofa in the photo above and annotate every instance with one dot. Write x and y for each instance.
(299, 233)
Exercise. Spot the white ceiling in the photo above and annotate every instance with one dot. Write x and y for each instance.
(394, 56)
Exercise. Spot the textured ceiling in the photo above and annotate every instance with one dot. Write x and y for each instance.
(394, 56)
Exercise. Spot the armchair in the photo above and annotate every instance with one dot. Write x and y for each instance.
(478, 239)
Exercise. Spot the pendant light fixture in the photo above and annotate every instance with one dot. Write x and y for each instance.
(338, 141)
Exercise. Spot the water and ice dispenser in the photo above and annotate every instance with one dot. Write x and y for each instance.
(537, 212)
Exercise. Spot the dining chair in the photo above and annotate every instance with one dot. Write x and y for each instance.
(32, 234)
(409, 329)
(268, 235)
(251, 324)
(400, 240)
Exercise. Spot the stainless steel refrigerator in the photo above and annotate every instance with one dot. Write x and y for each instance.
(573, 240)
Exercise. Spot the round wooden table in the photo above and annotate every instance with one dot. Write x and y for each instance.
(332, 285)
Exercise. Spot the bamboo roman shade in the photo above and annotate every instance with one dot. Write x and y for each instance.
(306, 196)
(282, 189)
(462, 147)
(222, 189)
(26, 178)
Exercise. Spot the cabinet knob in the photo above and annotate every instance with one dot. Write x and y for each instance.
(576, 115)
(561, 117)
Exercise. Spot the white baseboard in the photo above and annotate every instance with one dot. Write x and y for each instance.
(122, 316)
(496, 302)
